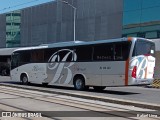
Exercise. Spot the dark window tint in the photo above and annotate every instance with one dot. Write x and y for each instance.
(49, 53)
(84, 53)
(15, 60)
(103, 52)
(4, 58)
(58, 55)
(24, 57)
(121, 51)
(37, 56)
(65, 55)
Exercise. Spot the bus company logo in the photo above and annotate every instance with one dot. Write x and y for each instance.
(59, 61)
(141, 63)
(6, 114)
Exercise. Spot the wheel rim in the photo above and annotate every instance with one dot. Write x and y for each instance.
(79, 83)
(25, 79)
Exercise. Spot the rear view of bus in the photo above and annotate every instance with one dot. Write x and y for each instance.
(142, 62)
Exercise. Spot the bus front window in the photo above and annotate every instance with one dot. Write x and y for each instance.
(144, 48)
(15, 61)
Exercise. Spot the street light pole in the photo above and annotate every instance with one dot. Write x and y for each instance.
(74, 21)
(75, 11)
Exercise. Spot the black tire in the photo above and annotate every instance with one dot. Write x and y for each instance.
(79, 83)
(45, 84)
(24, 79)
(86, 88)
(99, 88)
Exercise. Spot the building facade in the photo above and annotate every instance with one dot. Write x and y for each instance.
(141, 18)
(95, 20)
(13, 22)
(53, 22)
(2, 31)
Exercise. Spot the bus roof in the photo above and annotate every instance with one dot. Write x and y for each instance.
(69, 43)
(75, 43)
(63, 44)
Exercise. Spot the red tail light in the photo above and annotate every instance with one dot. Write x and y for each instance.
(146, 54)
(134, 72)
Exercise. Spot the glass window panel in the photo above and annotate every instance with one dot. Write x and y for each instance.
(131, 17)
(150, 3)
(15, 59)
(151, 14)
(37, 56)
(143, 47)
(141, 34)
(17, 21)
(8, 18)
(82, 55)
(16, 17)
(132, 5)
(13, 28)
(48, 54)
(65, 56)
(132, 35)
(121, 51)
(103, 52)
(8, 28)
(151, 35)
(25, 57)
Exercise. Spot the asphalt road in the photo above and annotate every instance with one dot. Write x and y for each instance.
(133, 93)
(28, 104)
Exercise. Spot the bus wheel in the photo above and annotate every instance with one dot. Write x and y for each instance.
(24, 79)
(79, 83)
(99, 88)
(45, 84)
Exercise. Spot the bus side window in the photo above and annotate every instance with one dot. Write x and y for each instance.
(84, 53)
(118, 52)
(103, 52)
(25, 57)
(65, 54)
(121, 51)
(48, 54)
(37, 56)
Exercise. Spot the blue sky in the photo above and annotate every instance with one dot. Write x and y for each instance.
(10, 5)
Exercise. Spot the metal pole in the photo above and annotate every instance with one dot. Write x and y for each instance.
(75, 10)
(74, 21)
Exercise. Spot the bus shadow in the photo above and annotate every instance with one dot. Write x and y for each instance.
(9, 82)
(114, 92)
(91, 90)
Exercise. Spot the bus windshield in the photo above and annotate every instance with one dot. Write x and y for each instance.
(144, 48)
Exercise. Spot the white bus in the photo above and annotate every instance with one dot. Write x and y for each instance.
(97, 64)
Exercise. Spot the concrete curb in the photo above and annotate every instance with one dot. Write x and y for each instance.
(92, 97)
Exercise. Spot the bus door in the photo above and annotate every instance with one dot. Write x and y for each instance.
(14, 65)
(37, 72)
